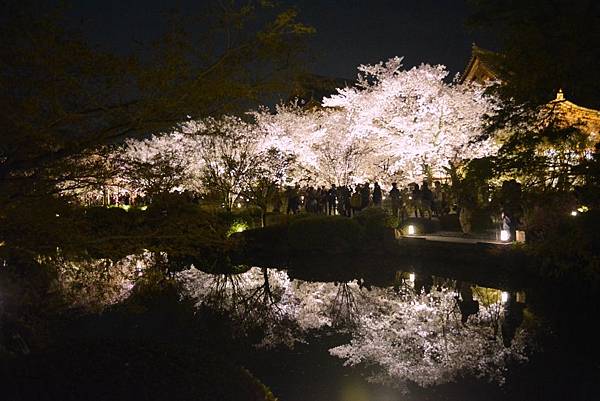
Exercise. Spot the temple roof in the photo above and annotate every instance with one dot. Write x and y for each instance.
(481, 66)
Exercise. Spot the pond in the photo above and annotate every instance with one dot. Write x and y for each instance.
(387, 330)
(323, 338)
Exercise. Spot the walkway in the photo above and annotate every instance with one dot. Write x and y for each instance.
(457, 238)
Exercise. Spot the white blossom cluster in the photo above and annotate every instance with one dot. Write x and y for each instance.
(394, 124)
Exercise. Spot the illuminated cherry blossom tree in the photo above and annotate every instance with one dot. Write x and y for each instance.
(417, 119)
(394, 124)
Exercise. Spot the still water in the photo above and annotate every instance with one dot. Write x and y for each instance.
(353, 341)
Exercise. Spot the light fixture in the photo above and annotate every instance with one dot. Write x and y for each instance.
(504, 235)
(574, 213)
(411, 230)
(504, 297)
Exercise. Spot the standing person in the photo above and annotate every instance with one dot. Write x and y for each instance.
(331, 200)
(365, 196)
(395, 199)
(341, 200)
(356, 201)
(347, 196)
(323, 199)
(415, 198)
(405, 201)
(310, 200)
(426, 199)
(438, 199)
(377, 195)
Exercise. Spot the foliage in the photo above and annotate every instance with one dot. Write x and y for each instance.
(567, 247)
(325, 234)
(541, 147)
(377, 224)
(61, 96)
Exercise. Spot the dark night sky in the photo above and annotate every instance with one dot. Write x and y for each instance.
(349, 32)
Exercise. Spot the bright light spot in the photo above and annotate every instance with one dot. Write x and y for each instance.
(239, 205)
(583, 209)
(574, 213)
(490, 199)
(410, 197)
(237, 227)
(504, 296)
(57, 215)
(504, 235)
(411, 230)
(411, 276)
(144, 207)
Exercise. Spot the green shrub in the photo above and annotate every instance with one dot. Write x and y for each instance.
(270, 238)
(325, 234)
(376, 223)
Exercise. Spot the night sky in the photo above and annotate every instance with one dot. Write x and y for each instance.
(349, 32)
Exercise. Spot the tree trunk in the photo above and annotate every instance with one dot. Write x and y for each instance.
(263, 217)
(465, 218)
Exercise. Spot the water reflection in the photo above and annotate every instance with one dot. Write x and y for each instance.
(94, 284)
(422, 329)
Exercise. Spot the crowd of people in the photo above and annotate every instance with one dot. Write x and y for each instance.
(420, 201)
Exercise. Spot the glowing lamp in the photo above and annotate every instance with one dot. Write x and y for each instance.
(574, 213)
(239, 205)
(504, 297)
(411, 230)
(504, 235)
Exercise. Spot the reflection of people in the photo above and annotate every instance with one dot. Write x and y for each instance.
(513, 317)
(467, 305)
